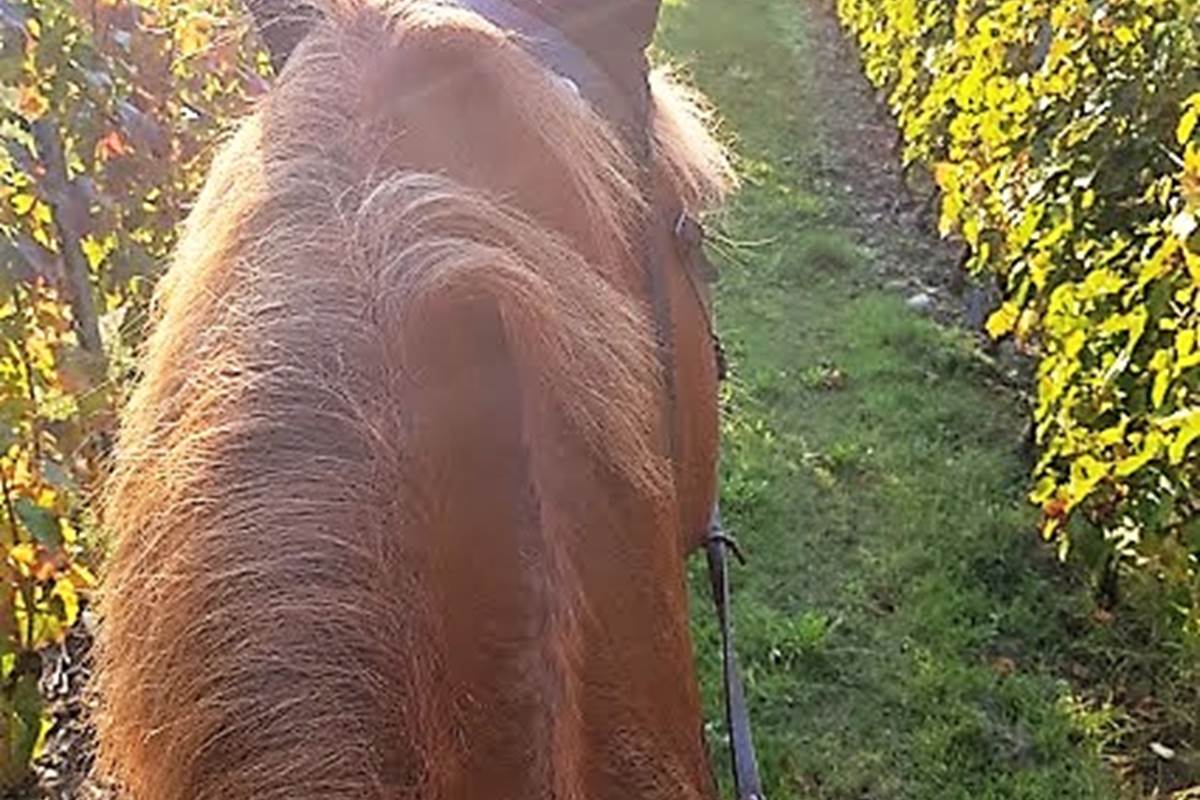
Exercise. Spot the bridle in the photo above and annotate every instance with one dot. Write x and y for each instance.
(629, 114)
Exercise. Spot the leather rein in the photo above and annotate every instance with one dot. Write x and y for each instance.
(629, 114)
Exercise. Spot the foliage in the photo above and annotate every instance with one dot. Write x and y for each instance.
(1063, 135)
(110, 112)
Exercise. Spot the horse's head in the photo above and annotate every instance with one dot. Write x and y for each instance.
(609, 165)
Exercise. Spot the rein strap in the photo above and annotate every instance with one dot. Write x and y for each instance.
(746, 781)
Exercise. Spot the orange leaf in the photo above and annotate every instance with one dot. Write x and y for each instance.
(1055, 509)
(32, 103)
(82, 577)
(111, 146)
(45, 568)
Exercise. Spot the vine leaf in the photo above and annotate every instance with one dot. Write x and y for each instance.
(40, 523)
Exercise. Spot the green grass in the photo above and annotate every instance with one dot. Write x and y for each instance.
(902, 629)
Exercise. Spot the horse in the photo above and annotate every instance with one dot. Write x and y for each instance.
(402, 499)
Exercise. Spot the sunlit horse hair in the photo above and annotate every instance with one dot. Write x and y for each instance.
(391, 511)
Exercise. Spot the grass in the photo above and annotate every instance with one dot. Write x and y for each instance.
(904, 633)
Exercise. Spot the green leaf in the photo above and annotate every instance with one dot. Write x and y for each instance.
(40, 523)
(27, 705)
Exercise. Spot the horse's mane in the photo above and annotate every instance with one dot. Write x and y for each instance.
(348, 274)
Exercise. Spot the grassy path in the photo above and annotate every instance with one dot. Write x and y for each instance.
(902, 628)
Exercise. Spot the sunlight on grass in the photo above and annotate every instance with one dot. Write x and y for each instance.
(897, 621)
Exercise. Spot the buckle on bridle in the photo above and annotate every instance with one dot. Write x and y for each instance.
(689, 232)
(731, 544)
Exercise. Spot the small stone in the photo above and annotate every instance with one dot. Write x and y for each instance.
(921, 302)
(1162, 751)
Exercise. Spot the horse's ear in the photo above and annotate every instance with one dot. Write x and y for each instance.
(612, 30)
(642, 20)
(282, 25)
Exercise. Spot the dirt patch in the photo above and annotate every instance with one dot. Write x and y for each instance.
(891, 212)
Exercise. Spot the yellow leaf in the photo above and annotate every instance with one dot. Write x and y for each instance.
(1150, 450)
(1040, 265)
(65, 592)
(945, 175)
(1159, 263)
(22, 203)
(96, 250)
(1112, 435)
(1050, 526)
(24, 554)
(1185, 342)
(1086, 472)
(1187, 347)
(41, 213)
(1023, 233)
(1073, 343)
(194, 35)
(1043, 491)
(1187, 123)
(1118, 323)
(1027, 323)
(1160, 365)
(970, 231)
(1003, 320)
(1188, 430)
(1101, 282)
(41, 355)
